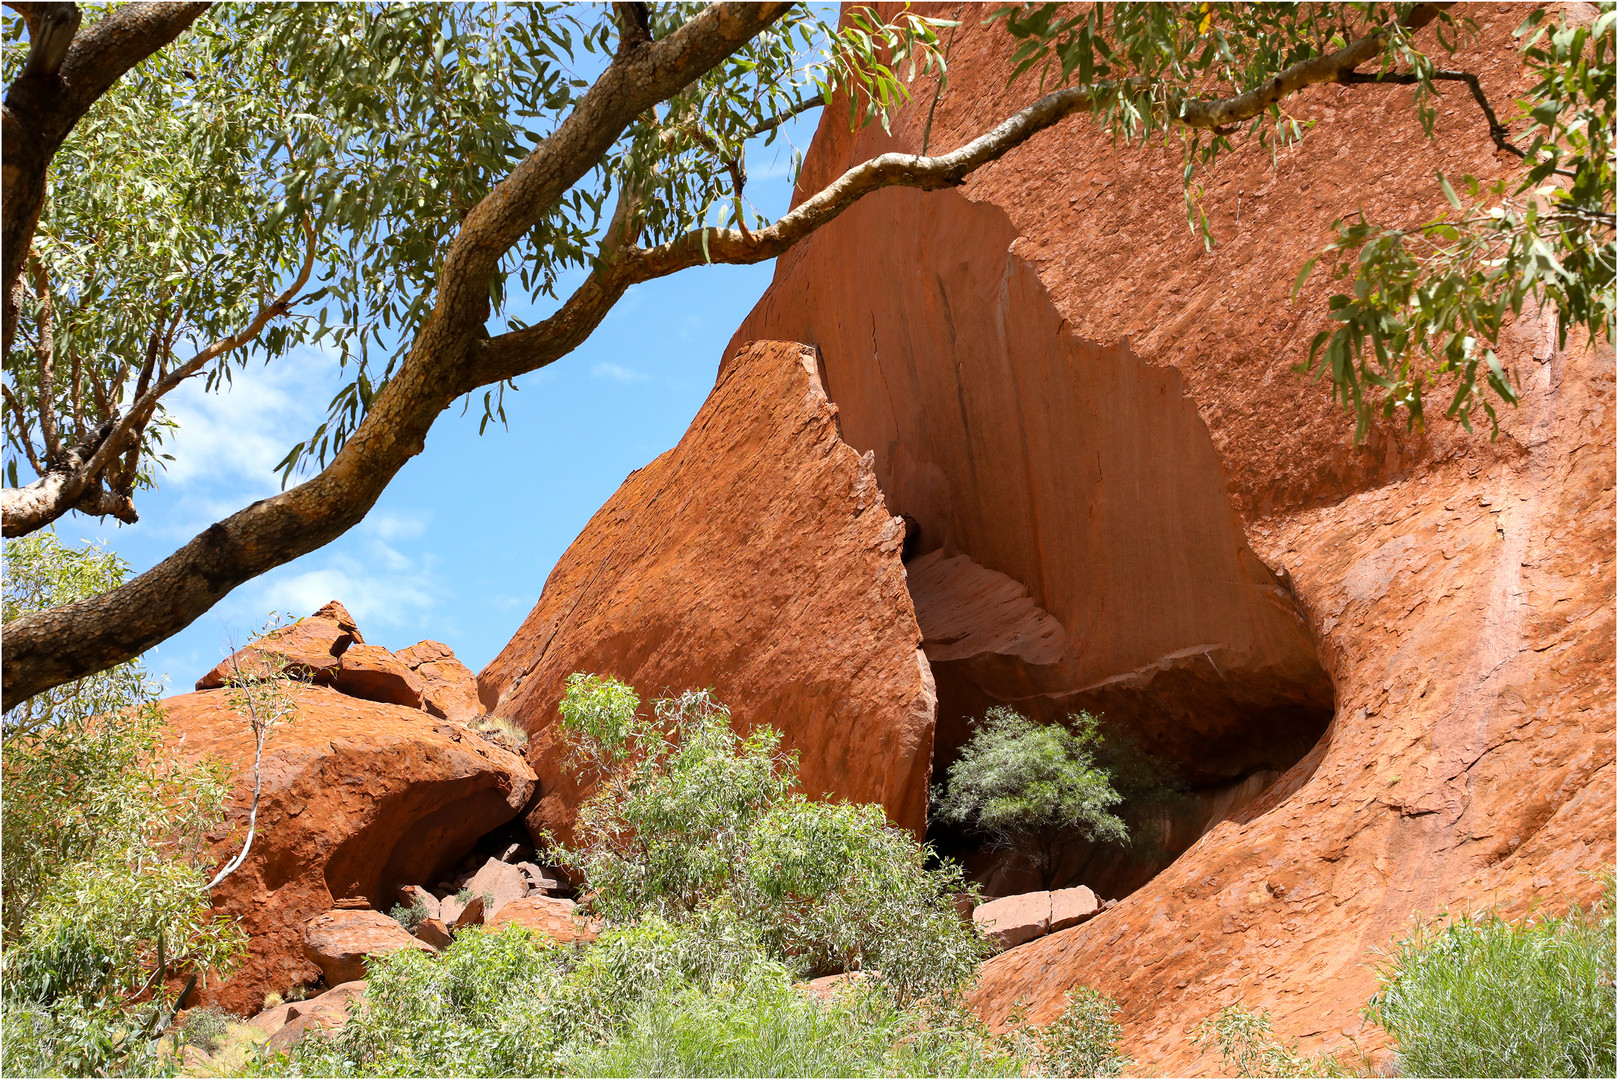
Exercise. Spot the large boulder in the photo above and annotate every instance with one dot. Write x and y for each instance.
(1012, 920)
(757, 558)
(548, 916)
(308, 649)
(375, 674)
(359, 798)
(1060, 384)
(341, 941)
(449, 688)
(498, 883)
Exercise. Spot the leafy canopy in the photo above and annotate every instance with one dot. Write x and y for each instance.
(689, 817)
(363, 134)
(1031, 787)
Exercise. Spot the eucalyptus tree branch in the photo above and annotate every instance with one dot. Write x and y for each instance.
(25, 440)
(26, 509)
(1497, 130)
(45, 362)
(50, 96)
(45, 649)
(51, 27)
(773, 122)
(634, 25)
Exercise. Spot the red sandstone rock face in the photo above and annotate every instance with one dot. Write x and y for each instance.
(309, 648)
(360, 798)
(1061, 385)
(449, 689)
(757, 558)
(375, 674)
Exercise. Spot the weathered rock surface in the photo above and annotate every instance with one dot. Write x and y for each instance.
(339, 942)
(1070, 907)
(324, 1015)
(498, 883)
(470, 914)
(434, 932)
(1059, 384)
(359, 799)
(757, 558)
(308, 648)
(375, 674)
(416, 896)
(551, 916)
(1012, 920)
(449, 688)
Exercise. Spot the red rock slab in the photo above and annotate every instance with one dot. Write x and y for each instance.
(757, 558)
(554, 918)
(1070, 907)
(1460, 591)
(375, 674)
(324, 1016)
(434, 932)
(449, 689)
(499, 883)
(309, 648)
(1012, 920)
(416, 896)
(359, 798)
(340, 941)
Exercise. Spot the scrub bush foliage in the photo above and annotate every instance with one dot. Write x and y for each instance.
(105, 862)
(1031, 787)
(688, 816)
(1487, 997)
(696, 998)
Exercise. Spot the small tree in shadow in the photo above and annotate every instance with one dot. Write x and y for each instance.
(1032, 788)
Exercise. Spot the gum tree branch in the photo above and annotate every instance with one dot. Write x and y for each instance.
(63, 485)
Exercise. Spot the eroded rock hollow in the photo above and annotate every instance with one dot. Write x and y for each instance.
(1386, 669)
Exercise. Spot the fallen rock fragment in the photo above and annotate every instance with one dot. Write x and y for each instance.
(1070, 907)
(551, 916)
(470, 915)
(307, 649)
(433, 932)
(1012, 920)
(416, 896)
(340, 941)
(373, 673)
(497, 884)
(449, 688)
(324, 1015)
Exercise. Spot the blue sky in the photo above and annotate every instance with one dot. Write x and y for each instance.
(459, 546)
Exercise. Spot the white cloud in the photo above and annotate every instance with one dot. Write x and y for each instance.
(605, 370)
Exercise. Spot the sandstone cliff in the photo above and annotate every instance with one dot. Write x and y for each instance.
(757, 558)
(1067, 391)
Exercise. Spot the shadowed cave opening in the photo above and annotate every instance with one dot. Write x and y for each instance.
(1226, 724)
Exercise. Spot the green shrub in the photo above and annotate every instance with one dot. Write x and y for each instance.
(1030, 787)
(1486, 997)
(1083, 1041)
(1248, 1046)
(105, 861)
(409, 917)
(698, 998)
(207, 1027)
(690, 815)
